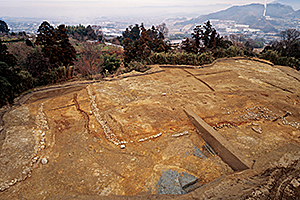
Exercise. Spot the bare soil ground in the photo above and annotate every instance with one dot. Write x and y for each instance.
(124, 136)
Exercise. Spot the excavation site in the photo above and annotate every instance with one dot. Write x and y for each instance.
(229, 130)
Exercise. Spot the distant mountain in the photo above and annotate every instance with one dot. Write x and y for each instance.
(251, 14)
(294, 3)
(295, 15)
(277, 10)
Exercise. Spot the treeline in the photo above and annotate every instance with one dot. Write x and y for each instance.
(139, 43)
(52, 57)
(148, 46)
(205, 45)
(286, 51)
(48, 60)
(83, 33)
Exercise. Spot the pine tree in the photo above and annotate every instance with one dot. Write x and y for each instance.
(197, 36)
(55, 44)
(3, 27)
(7, 57)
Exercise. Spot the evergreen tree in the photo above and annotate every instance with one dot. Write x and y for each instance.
(197, 36)
(13, 81)
(205, 38)
(189, 46)
(66, 50)
(289, 45)
(139, 43)
(7, 57)
(206, 34)
(3, 27)
(55, 44)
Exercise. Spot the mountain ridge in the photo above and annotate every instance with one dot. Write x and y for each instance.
(250, 14)
(294, 3)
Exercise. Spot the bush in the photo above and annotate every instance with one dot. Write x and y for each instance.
(180, 58)
(137, 66)
(111, 64)
(277, 59)
(26, 81)
(219, 53)
(48, 77)
(5, 88)
(234, 51)
(13, 82)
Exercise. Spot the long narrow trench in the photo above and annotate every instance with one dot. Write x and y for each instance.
(212, 89)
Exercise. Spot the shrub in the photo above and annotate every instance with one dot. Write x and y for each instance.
(13, 82)
(111, 64)
(234, 51)
(180, 58)
(277, 59)
(137, 66)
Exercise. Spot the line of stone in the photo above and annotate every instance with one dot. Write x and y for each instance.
(110, 136)
(39, 133)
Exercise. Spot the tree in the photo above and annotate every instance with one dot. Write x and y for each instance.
(162, 28)
(207, 34)
(47, 39)
(37, 64)
(55, 44)
(189, 46)
(7, 57)
(90, 57)
(289, 45)
(3, 27)
(111, 64)
(132, 32)
(13, 82)
(211, 39)
(206, 38)
(67, 53)
(139, 43)
(98, 32)
(82, 33)
(197, 36)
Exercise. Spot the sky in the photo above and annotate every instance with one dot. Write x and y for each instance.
(100, 8)
(131, 3)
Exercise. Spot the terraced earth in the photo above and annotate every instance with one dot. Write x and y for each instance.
(130, 138)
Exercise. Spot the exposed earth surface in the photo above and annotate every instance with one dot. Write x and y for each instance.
(129, 138)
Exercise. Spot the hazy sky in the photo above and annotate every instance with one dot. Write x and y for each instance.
(129, 3)
(92, 8)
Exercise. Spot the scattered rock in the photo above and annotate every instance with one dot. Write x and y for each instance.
(198, 152)
(44, 161)
(186, 179)
(173, 182)
(180, 134)
(257, 130)
(169, 183)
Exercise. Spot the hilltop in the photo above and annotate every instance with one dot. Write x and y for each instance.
(294, 3)
(130, 136)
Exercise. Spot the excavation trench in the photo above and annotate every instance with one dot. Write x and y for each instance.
(130, 137)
